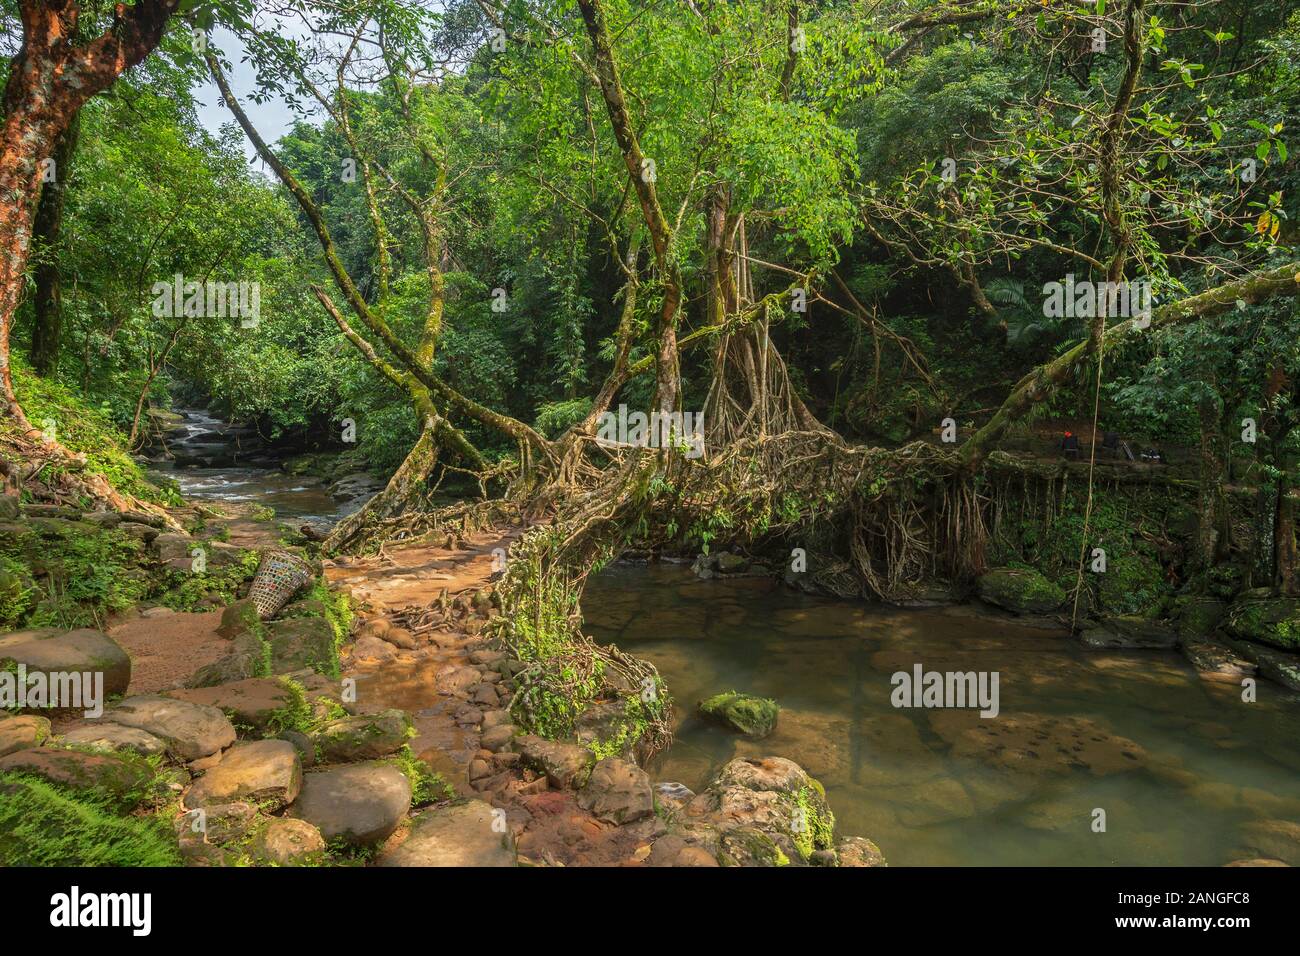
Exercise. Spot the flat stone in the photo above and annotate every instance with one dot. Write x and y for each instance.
(266, 772)
(255, 701)
(21, 733)
(1216, 662)
(361, 804)
(81, 651)
(464, 834)
(190, 730)
(106, 735)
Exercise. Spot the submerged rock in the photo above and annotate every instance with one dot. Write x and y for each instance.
(1217, 662)
(750, 715)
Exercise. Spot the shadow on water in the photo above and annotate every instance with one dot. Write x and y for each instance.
(1177, 764)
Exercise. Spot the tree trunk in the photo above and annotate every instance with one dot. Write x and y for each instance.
(47, 330)
(1212, 531)
(50, 79)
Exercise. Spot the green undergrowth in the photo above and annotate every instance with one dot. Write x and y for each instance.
(81, 427)
(427, 785)
(187, 591)
(43, 826)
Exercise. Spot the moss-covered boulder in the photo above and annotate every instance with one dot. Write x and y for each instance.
(750, 715)
(117, 779)
(1198, 615)
(302, 642)
(81, 651)
(1020, 590)
(364, 737)
(1261, 617)
(237, 618)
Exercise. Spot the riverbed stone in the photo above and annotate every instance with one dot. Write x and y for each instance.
(49, 651)
(745, 713)
(1273, 839)
(1278, 666)
(240, 664)
(109, 736)
(1131, 632)
(190, 730)
(267, 772)
(361, 804)
(22, 732)
(364, 737)
(859, 851)
(1019, 590)
(1037, 744)
(498, 737)
(286, 841)
(256, 702)
(470, 833)
(618, 791)
(1216, 662)
(565, 764)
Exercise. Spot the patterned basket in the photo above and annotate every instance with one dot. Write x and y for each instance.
(279, 576)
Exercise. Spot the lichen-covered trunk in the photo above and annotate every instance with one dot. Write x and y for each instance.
(1212, 530)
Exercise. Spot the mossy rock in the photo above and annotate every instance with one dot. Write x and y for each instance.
(747, 846)
(750, 715)
(119, 779)
(302, 642)
(237, 618)
(1265, 619)
(1020, 590)
(1198, 615)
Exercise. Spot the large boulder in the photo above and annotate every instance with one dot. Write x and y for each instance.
(1258, 616)
(266, 772)
(768, 797)
(1020, 590)
(81, 651)
(191, 731)
(463, 834)
(859, 851)
(121, 779)
(618, 791)
(361, 803)
(364, 737)
(750, 715)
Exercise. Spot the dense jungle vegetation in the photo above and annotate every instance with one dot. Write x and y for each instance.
(828, 228)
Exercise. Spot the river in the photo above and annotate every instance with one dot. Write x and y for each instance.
(1177, 764)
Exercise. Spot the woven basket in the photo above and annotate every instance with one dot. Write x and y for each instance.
(279, 576)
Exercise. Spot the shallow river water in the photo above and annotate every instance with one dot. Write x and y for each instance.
(1177, 764)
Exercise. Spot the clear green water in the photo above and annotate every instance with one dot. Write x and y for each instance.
(1177, 764)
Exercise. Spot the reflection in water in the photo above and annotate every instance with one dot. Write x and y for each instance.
(288, 496)
(1177, 764)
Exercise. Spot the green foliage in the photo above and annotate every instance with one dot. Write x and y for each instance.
(41, 825)
(82, 428)
(427, 786)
